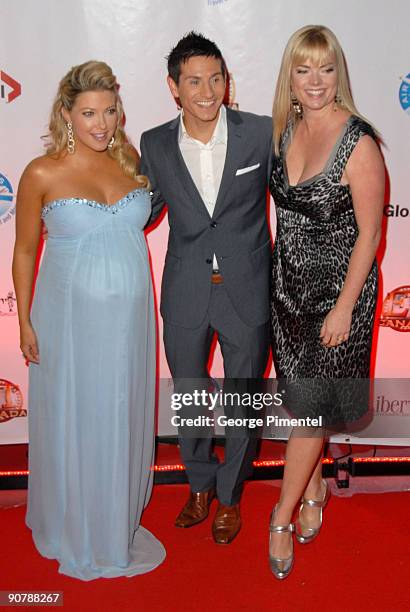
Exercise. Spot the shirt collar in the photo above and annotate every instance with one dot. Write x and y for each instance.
(220, 135)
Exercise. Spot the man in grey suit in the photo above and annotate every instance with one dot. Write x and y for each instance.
(210, 166)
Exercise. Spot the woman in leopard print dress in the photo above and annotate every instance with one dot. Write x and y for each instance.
(328, 187)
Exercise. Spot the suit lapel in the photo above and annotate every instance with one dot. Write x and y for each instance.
(181, 171)
(233, 156)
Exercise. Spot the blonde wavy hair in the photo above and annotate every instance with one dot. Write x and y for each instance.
(315, 43)
(91, 76)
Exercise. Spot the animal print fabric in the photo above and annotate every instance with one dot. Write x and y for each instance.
(316, 233)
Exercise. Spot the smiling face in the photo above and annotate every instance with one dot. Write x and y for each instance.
(200, 89)
(94, 117)
(315, 84)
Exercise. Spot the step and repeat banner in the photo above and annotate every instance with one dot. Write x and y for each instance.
(41, 39)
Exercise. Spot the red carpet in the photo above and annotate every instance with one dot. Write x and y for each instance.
(359, 561)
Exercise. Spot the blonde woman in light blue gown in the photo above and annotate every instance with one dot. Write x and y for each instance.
(90, 337)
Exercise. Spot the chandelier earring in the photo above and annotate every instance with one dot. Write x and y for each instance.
(337, 102)
(297, 106)
(111, 143)
(70, 138)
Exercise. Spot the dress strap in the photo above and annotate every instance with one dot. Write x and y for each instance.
(355, 129)
(285, 138)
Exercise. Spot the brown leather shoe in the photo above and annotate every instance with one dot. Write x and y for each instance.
(227, 524)
(196, 509)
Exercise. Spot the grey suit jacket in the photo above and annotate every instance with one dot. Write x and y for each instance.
(237, 232)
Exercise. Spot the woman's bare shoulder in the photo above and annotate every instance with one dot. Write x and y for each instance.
(134, 153)
(38, 175)
(42, 168)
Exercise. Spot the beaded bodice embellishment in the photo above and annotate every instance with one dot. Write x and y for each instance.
(110, 208)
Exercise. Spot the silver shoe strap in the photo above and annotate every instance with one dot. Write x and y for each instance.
(313, 503)
(282, 528)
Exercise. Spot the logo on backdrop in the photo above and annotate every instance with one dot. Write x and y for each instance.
(216, 2)
(397, 406)
(404, 93)
(10, 89)
(11, 401)
(396, 309)
(8, 305)
(395, 210)
(6, 200)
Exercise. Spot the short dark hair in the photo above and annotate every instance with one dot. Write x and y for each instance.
(192, 44)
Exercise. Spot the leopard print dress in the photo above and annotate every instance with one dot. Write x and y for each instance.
(316, 233)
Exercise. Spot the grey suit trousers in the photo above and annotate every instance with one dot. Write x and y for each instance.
(245, 350)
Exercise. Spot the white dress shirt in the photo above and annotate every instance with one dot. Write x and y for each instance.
(205, 162)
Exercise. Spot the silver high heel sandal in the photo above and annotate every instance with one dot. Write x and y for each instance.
(304, 535)
(280, 567)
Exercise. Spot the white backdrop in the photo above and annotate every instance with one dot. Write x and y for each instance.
(40, 40)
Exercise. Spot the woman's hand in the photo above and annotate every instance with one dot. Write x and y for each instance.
(336, 327)
(28, 344)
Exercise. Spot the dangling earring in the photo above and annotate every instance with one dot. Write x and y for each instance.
(70, 138)
(110, 144)
(297, 106)
(337, 102)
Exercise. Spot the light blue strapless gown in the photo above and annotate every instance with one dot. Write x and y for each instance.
(91, 399)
